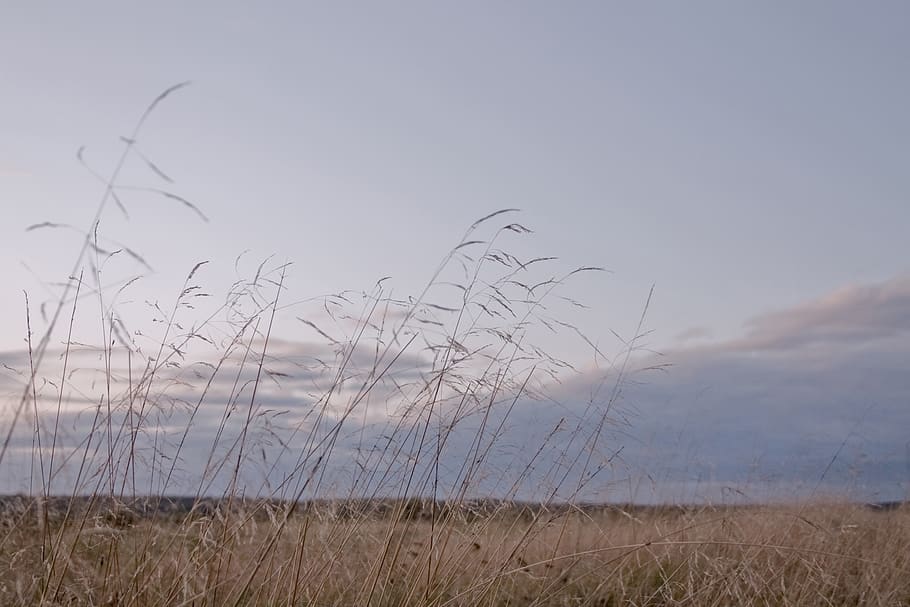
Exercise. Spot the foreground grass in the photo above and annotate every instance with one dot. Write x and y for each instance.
(405, 396)
(402, 554)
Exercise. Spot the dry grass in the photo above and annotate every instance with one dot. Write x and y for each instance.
(825, 554)
(369, 485)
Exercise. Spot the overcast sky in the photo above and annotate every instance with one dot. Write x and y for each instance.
(749, 161)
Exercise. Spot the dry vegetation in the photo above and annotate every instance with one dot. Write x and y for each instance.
(357, 554)
(373, 491)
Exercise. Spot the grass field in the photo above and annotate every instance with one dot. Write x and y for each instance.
(412, 553)
(370, 487)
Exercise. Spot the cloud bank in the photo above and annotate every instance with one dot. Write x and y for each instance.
(815, 398)
(810, 400)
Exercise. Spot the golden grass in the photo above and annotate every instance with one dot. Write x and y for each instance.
(461, 354)
(825, 554)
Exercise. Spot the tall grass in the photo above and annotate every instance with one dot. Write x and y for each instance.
(391, 462)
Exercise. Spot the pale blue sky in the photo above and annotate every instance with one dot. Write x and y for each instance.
(742, 158)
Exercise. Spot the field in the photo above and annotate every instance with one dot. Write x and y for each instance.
(418, 453)
(482, 553)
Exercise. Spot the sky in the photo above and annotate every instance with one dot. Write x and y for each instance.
(747, 161)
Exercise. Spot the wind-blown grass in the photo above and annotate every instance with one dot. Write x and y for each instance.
(379, 466)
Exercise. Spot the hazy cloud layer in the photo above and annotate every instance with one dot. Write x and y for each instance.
(852, 316)
(811, 399)
(826, 378)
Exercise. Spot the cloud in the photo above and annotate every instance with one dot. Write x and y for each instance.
(693, 334)
(810, 400)
(851, 316)
(825, 380)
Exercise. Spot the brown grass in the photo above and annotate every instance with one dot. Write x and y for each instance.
(397, 380)
(825, 554)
